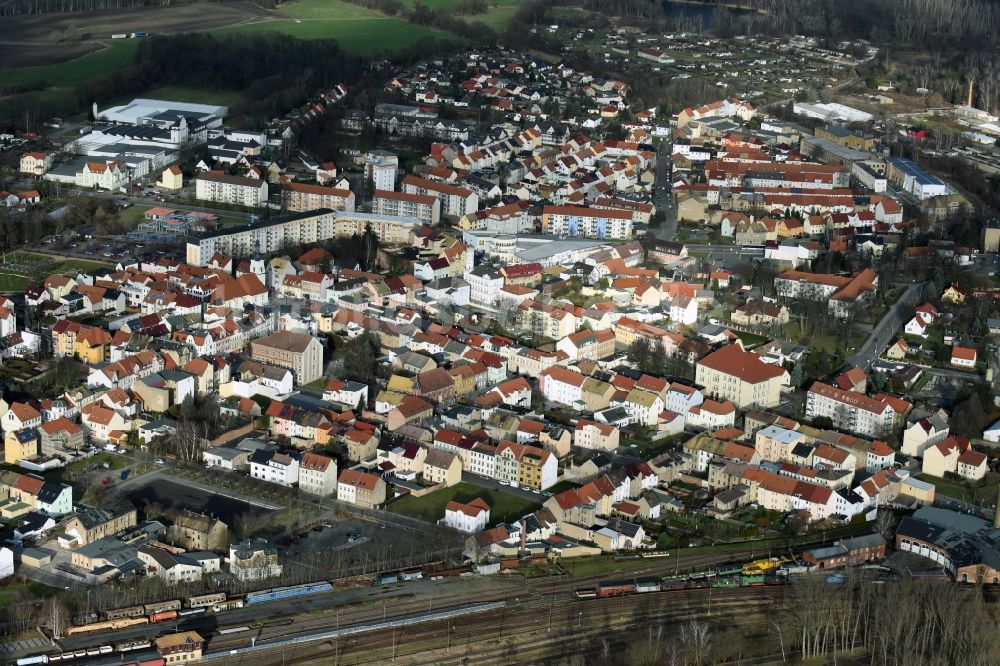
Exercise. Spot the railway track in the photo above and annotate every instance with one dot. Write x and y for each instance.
(528, 631)
(373, 611)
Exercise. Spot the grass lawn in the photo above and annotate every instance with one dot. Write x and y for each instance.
(9, 591)
(750, 339)
(114, 462)
(984, 490)
(430, 508)
(9, 282)
(647, 448)
(78, 265)
(73, 72)
(133, 215)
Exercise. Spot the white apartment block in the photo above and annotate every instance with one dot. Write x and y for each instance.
(274, 467)
(103, 175)
(484, 285)
(589, 222)
(424, 207)
(471, 518)
(560, 385)
(849, 410)
(267, 236)
(223, 188)
(380, 171)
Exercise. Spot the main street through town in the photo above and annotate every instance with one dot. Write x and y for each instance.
(886, 328)
(663, 192)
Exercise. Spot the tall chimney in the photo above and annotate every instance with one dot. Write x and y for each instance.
(969, 101)
(996, 511)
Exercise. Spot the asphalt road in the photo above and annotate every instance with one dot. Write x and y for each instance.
(886, 328)
(663, 197)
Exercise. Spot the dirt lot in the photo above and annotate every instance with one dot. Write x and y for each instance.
(32, 40)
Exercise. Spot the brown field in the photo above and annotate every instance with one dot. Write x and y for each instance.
(36, 34)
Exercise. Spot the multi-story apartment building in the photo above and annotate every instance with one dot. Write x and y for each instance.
(361, 488)
(275, 467)
(588, 345)
(851, 411)
(300, 353)
(740, 376)
(380, 171)
(318, 474)
(472, 517)
(253, 559)
(197, 531)
(537, 468)
(455, 201)
(594, 435)
(264, 236)
(424, 207)
(840, 292)
(561, 385)
(300, 197)
(36, 163)
(102, 175)
(590, 222)
(387, 228)
(484, 285)
(234, 190)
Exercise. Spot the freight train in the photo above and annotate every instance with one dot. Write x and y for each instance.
(621, 588)
(218, 602)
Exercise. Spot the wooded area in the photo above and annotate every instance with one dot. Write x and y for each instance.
(19, 7)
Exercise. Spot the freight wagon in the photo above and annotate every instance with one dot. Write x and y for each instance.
(163, 615)
(205, 600)
(160, 606)
(131, 611)
(110, 624)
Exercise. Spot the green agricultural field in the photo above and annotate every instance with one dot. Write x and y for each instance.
(73, 72)
(430, 508)
(363, 36)
(355, 28)
(312, 10)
